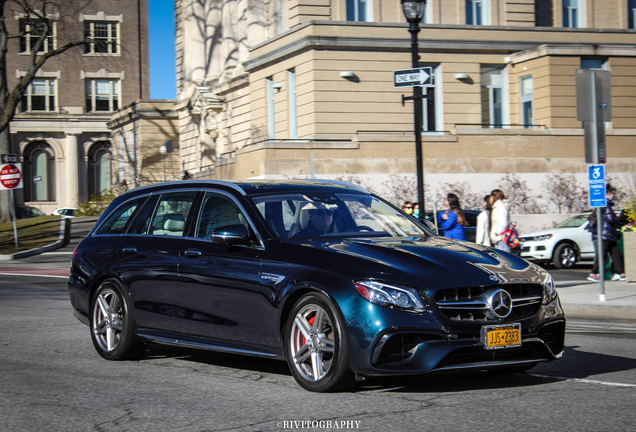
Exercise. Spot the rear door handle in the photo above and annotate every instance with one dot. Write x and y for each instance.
(129, 250)
(192, 253)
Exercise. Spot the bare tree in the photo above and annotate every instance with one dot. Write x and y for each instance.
(519, 196)
(563, 190)
(401, 188)
(39, 16)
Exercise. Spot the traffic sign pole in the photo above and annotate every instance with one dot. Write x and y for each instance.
(15, 228)
(599, 210)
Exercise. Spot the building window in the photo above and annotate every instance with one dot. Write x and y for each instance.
(279, 15)
(527, 102)
(122, 167)
(31, 31)
(544, 13)
(102, 95)
(102, 36)
(476, 12)
(39, 161)
(359, 10)
(426, 18)
(293, 113)
(39, 96)
(99, 166)
(593, 63)
(572, 13)
(631, 14)
(271, 124)
(493, 96)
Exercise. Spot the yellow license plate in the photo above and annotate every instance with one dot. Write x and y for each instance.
(501, 336)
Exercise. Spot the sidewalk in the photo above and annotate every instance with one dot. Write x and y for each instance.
(582, 298)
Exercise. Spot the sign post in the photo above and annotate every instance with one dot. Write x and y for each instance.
(11, 178)
(593, 108)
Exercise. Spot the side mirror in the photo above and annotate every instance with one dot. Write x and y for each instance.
(231, 234)
(430, 225)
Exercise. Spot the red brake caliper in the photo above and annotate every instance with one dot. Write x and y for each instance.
(311, 323)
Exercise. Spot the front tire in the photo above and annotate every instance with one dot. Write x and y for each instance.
(316, 347)
(112, 326)
(564, 256)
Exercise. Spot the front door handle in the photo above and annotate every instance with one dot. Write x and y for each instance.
(192, 253)
(129, 250)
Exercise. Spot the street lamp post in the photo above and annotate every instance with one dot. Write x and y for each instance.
(163, 151)
(414, 11)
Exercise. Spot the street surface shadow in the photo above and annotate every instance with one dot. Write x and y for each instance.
(574, 364)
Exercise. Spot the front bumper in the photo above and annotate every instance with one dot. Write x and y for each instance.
(540, 251)
(421, 343)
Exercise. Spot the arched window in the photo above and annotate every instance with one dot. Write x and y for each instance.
(39, 164)
(99, 157)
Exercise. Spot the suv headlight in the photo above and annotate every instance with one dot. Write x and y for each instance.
(549, 292)
(390, 296)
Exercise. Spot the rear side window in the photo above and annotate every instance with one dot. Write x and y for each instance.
(172, 213)
(142, 220)
(118, 219)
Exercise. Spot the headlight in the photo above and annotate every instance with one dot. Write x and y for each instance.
(549, 293)
(390, 296)
(537, 238)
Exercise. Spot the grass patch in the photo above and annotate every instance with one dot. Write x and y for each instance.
(32, 233)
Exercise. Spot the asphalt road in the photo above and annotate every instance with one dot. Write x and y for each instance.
(53, 380)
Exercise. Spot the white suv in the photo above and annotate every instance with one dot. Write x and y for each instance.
(565, 245)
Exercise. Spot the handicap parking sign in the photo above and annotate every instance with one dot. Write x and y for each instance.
(597, 185)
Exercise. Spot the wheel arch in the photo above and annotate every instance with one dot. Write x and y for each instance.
(294, 294)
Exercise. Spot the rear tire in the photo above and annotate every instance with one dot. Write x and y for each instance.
(316, 346)
(112, 326)
(565, 256)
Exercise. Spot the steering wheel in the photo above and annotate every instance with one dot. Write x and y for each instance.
(363, 228)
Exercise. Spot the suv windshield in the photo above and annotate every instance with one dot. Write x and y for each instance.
(334, 214)
(574, 221)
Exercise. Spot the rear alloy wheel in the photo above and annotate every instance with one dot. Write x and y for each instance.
(316, 348)
(112, 326)
(564, 256)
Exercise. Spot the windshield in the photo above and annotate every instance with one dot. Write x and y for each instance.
(329, 214)
(574, 222)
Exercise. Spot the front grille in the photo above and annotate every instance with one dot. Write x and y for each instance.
(469, 303)
(467, 356)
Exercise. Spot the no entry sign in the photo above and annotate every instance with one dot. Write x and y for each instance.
(11, 176)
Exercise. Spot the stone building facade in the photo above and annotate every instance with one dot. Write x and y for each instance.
(294, 88)
(60, 130)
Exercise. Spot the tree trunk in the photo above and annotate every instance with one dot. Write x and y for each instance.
(5, 147)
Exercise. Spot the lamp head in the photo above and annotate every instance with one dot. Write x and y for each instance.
(413, 10)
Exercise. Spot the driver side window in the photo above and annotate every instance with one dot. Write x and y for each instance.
(218, 211)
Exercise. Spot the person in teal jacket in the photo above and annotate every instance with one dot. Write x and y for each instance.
(452, 221)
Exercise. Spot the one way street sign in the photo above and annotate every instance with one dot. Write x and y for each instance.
(422, 76)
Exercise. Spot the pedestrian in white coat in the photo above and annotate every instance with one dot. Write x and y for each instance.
(483, 224)
(498, 219)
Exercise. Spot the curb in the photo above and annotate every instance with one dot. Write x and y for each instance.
(63, 239)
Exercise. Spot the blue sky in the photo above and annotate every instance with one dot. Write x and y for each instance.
(163, 83)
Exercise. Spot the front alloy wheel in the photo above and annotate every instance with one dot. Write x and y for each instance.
(316, 348)
(565, 256)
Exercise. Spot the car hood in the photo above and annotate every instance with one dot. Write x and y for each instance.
(438, 260)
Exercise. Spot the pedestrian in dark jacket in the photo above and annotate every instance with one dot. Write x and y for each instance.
(608, 237)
